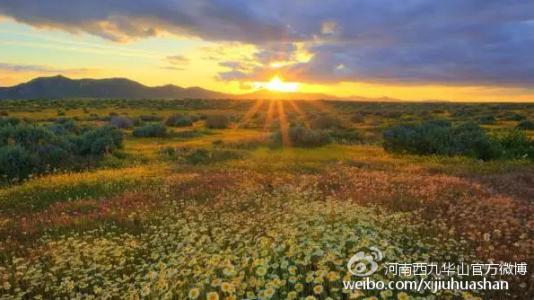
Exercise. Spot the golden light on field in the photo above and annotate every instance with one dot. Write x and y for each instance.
(278, 85)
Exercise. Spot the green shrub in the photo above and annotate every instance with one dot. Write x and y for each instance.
(121, 122)
(99, 141)
(516, 145)
(217, 121)
(525, 125)
(488, 120)
(16, 163)
(8, 121)
(151, 130)
(179, 120)
(303, 137)
(515, 117)
(442, 138)
(27, 148)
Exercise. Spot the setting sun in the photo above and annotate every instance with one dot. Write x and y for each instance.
(278, 85)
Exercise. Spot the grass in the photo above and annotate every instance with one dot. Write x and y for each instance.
(39, 193)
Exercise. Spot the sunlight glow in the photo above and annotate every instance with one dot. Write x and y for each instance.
(278, 85)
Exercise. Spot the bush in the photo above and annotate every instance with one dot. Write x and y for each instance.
(488, 120)
(4, 121)
(121, 122)
(516, 145)
(440, 137)
(27, 149)
(99, 141)
(302, 137)
(515, 117)
(217, 121)
(179, 120)
(525, 125)
(16, 162)
(151, 130)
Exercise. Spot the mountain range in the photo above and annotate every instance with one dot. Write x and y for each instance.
(61, 87)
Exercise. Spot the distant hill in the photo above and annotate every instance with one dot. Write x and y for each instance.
(63, 87)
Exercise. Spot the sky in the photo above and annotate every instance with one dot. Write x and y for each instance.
(465, 50)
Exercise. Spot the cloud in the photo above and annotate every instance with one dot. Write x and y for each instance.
(176, 63)
(454, 42)
(8, 67)
(124, 20)
(177, 60)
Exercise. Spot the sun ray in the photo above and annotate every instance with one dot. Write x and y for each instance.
(284, 126)
(250, 113)
(269, 117)
(299, 112)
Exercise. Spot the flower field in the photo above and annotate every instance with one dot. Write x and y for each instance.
(213, 216)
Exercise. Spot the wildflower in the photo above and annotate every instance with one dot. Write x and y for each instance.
(292, 295)
(194, 293)
(229, 270)
(269, 293)
(318, 289)
(212, 296)
(333, 276)
(227, 287)
(403, 296)
(261, 271)
(356, 294)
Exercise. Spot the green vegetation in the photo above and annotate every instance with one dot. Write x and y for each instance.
(442, 138)
(179, 120)
(33, 149)
(151, 130)
(217, 121)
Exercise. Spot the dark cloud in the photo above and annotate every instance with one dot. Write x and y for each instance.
(470, 42)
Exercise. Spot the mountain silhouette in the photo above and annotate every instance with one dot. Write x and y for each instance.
(59, 87)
